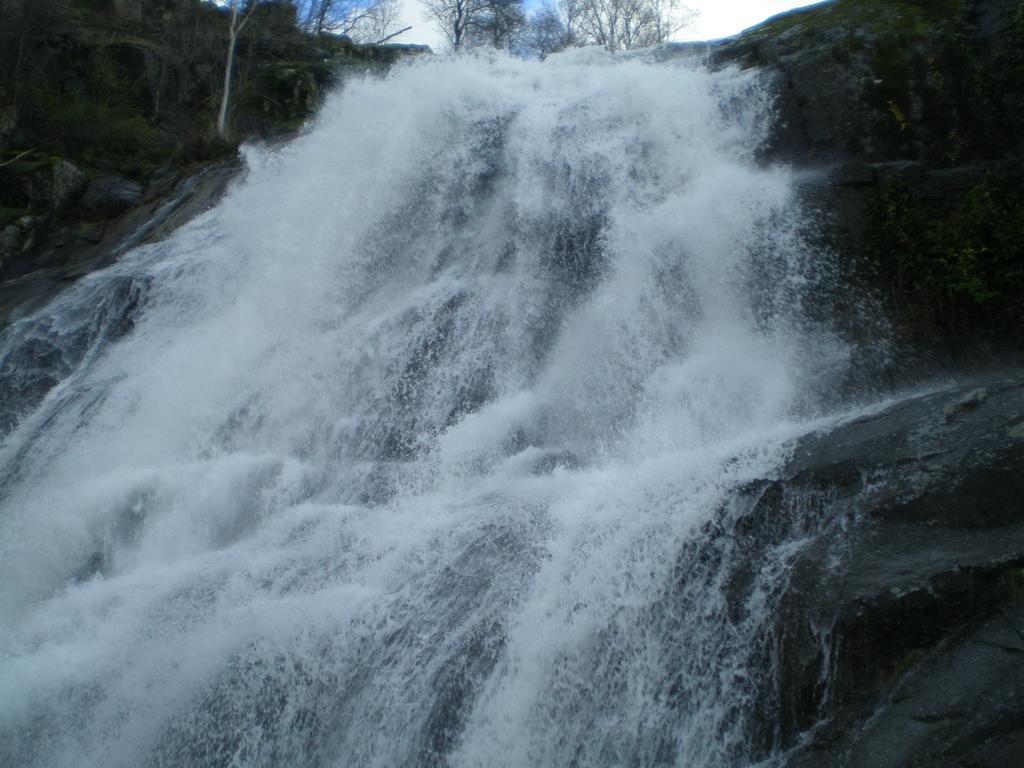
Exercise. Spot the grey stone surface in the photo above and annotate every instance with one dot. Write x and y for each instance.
(110, 195)
(96, 245)
(912, 609)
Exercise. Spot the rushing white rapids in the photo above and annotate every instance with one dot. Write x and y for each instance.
(395, 457)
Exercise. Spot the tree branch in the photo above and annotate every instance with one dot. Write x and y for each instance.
(18, 157)
(393, 34)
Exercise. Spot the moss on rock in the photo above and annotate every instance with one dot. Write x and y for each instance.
(951, 260)
(940, 81)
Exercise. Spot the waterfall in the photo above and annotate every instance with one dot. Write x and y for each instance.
(410, 451)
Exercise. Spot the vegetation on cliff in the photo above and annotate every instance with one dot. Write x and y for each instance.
(129, 89)
(940, 81)
(952, 264)
(927, 96)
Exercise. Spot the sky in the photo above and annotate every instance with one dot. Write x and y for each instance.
(717, 18)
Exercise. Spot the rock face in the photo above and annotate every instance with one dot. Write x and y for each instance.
(900, 637)
(128, 9)
(111, 195)
(937, 81)
(47, 185)
(911, 115)
(82, 247)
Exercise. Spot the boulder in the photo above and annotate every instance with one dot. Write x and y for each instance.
(67, 183)
(110, 195)
(44, 185)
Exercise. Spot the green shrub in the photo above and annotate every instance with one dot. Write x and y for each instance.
(99, 136)
(955, 262)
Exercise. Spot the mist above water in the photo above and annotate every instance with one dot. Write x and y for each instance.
(402, 454)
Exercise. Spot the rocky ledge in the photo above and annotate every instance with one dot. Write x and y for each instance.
(62, 255)
(899, 635)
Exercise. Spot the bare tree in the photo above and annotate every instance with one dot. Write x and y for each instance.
(569, 12)
(472, 23)
(378, 22)
(455, 19)
(239, 18)
(628, 24)
(548, 31)
(500, 26)
(615, 24)
(363, 20)
(318, 14)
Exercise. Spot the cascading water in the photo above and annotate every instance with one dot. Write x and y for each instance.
(407, 453)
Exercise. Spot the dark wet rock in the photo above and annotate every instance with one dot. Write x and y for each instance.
(43, 354)
(8, 120)
(50, 185)
(67, 182)
(85, 233)
(968, 402)
(35, 357)
(111, 195)
(906, 116)
(84, 246)
(190, 197)
(888, 81)
(162, 183)
(900, 637)
(10, 243)
(853, 174)
(944, 182)
(959, 705)
(128, 9)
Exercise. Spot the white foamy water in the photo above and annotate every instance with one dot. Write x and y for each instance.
(396, 456)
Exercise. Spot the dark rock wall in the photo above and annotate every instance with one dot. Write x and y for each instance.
(936, 81)
(911, 113)
(901, 641)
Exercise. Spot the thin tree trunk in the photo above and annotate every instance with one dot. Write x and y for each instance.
(17, 69)
(222, 116)
(160, 86)
(233, 33)
(18, 157)
(393, 34)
